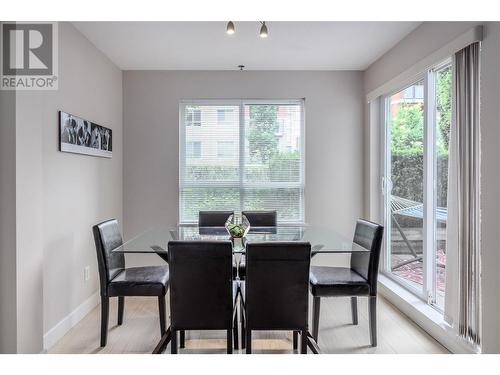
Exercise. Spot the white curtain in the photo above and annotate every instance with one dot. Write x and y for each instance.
(462, 304)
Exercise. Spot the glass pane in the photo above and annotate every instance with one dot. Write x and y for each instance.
(286, 201)
(211, 148)
(406, 124)
(442, 134)
(234, 160)
(272, 143)
(197, 199)
(227, 149)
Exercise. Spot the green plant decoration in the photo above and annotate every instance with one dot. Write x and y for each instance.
(236, 230)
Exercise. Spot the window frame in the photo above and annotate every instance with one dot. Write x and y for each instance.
(240, 183)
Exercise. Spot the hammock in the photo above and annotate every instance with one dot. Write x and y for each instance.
(406, 207)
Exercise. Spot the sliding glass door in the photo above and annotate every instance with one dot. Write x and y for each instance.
(405, 165)
(417, 121)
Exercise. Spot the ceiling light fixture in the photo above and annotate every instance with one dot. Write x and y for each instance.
(230, 28)
(263, 30)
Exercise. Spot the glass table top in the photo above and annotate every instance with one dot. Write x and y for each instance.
(322, 239)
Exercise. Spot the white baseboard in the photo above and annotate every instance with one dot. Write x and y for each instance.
(423, 315)
(60, 329)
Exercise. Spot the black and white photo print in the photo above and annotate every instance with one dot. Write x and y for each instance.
(81, 136)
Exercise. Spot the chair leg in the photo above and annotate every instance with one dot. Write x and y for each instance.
(354, 310)
(182, 339)
(173, 342)
(295, 340)
(121, 305)
(316, 310)
(104, 319)
(373, 320)
(229, 341)
(303, 342)
(248, 334)
(161, 308)
(235, 331)
(243, 328)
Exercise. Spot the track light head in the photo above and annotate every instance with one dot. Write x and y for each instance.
(263, 30)
(230, 28)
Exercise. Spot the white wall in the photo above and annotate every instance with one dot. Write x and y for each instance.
(334, 143)
(8, 340)
(61, 195)
(490, 187)
(422, 42)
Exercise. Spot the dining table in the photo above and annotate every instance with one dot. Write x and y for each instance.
(323, 240)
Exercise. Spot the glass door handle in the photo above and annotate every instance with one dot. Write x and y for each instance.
(386, 185)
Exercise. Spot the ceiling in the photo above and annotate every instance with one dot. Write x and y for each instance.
(206, 46)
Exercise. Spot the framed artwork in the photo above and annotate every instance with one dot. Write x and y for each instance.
(80, 136)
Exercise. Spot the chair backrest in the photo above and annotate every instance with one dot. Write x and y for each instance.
(261, 218)
(201, 289)
(107, 237)
(369, 236)
(213, 218)
(277, 280)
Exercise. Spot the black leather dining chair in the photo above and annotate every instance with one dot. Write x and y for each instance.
(360, 279)
(261, 218)
(276, 289)
(256, 219)
(213, 218)
(201, 287)
(118, 281)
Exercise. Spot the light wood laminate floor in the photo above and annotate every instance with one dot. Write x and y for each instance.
(140, 332)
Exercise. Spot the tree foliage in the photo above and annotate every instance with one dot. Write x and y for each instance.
(407, 143)
(261, 134)
(443, 103)
(407, 128)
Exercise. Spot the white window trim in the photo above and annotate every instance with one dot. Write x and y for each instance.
(239, 183)
(424, 315)
(472, 35)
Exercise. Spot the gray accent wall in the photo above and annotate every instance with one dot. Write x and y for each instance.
(333, 126)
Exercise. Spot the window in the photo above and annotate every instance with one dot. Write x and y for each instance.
(247, 164)
(224, 116)
(193, 150)
(226, 149)
(417, 126)
(414, 92)
(193, 117)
